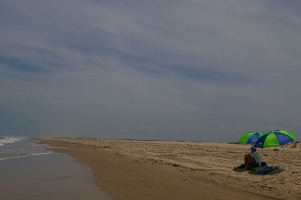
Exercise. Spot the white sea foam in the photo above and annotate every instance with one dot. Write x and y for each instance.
(7, 140)
(33, 154)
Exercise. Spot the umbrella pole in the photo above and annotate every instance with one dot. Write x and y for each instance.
(277, 156)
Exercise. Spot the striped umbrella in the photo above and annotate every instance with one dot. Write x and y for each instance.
(250, 137)
(275, 139)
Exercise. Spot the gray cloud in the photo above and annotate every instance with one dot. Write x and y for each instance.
(194, 70)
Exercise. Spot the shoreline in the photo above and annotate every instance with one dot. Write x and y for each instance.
(47, 177)
(132, 169)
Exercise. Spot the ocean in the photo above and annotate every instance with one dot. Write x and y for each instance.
(18, 147)
(30, 171)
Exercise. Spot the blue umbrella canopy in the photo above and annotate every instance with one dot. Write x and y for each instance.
(275, 139)
(250, 137)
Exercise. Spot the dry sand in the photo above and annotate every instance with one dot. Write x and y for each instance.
(129, 169)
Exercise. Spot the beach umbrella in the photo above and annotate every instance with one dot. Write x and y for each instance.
(250, 137)
(275, 139)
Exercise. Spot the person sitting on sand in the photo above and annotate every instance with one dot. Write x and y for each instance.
(252, 159)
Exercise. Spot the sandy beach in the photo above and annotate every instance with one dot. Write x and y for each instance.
(129, 169)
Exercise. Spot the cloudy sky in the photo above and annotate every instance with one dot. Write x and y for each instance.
(206, 70)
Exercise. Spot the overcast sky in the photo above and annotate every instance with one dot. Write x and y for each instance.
(206, 70)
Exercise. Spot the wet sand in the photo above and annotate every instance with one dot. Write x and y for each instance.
(47, 177)
(128, 169)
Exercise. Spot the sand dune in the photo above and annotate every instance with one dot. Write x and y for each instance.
(130, 169)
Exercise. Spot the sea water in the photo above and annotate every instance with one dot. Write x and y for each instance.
(17, 147)
(29, 171)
